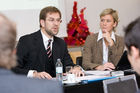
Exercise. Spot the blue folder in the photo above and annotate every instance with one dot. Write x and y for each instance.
(94, 80)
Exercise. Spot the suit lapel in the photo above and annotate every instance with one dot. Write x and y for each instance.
(38, 40)
(55, 50)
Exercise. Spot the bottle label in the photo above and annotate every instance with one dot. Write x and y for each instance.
(59, 70)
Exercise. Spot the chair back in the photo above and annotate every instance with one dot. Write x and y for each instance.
(79, 61)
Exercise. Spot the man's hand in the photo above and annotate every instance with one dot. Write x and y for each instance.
(77, 71)
(42, 75)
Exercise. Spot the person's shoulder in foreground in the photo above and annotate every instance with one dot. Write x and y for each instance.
(138, 91)
(11, 83)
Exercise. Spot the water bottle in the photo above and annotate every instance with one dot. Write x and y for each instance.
(59, 70)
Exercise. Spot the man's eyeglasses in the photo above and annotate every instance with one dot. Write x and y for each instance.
(54, 20)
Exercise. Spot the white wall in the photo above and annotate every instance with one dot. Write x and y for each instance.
(128, 10)
(25, 13)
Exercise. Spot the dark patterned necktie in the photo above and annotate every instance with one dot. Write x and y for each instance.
(49, 53)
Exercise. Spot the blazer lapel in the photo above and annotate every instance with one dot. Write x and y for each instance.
(100, 45)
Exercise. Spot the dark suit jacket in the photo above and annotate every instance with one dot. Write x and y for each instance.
(32, 55)
(11, 83)
(93, 51)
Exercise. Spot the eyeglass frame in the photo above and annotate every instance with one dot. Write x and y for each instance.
(52, 20)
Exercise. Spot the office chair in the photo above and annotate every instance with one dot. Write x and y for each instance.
(79, 61)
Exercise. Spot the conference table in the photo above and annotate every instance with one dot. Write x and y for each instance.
(92, 87)
(95, 85)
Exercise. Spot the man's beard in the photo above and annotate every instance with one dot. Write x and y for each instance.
(49, 33)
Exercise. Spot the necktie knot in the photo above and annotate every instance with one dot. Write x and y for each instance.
(49, 42)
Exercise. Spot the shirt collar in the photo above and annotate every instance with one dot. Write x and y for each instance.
(45, 38)
(100, 35)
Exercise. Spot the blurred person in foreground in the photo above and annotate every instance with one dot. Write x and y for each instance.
(9, 81)
(132, 42)
(103, 50)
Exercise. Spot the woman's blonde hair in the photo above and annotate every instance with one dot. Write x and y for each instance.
(113, 13)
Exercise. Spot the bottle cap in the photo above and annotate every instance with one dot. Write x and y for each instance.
(58, 60)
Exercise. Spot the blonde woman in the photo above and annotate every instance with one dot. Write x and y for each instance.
(103, 50)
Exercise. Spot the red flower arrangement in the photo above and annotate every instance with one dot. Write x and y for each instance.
(77, 28)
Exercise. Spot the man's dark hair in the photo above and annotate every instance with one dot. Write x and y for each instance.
(46, 10)
(132, 34)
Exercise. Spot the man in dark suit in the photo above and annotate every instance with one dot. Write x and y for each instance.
(10, 82)
(34, 58)
(132, 42)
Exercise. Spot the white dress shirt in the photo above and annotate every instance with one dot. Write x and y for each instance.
(45, 42)
(105, 48)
